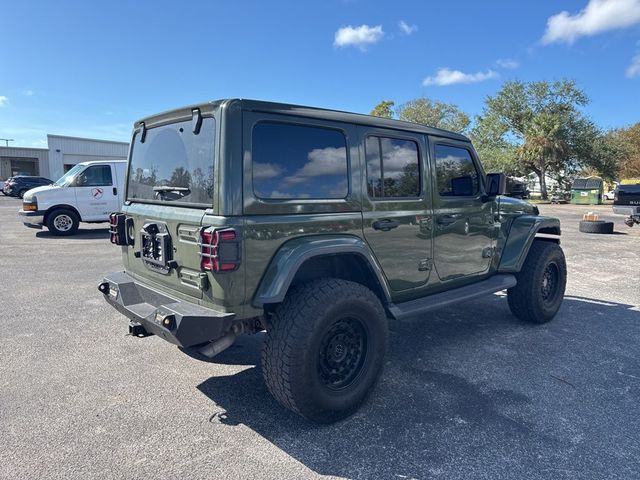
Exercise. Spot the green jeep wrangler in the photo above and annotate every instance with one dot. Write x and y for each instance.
(319, 227)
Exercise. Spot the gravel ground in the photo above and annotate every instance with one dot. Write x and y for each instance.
(470, 393)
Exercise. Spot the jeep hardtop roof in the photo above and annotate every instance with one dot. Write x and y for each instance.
(297, 110)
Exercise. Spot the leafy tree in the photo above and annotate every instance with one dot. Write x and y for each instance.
(180, 177)
(434, 114)
(497, 152)
(383, 109)
(544, 121)
(629, 142)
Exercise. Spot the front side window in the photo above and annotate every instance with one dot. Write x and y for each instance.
(173, 164)
(393, 167)
(456, 173)
(96, 176)
(298, 162)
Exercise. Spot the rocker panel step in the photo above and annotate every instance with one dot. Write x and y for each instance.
(412, 308)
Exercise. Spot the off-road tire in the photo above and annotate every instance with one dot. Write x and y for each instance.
(538, 295)
(597, 226)
(63, 222)
(304, 339)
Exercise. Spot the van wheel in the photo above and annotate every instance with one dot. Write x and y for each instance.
(63, 222)
(325, 347)
(21, 193)
(541, 283)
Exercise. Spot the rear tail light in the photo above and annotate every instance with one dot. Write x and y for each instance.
(219, 250)
(118, 225)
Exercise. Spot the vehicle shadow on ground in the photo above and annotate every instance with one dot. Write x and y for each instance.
(458, 390)
(81, 234)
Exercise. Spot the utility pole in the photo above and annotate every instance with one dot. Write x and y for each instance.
(6, 141)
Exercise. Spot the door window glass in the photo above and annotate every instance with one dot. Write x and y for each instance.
(456, 173)
(298, 161)
(393, 167)
(96, 176)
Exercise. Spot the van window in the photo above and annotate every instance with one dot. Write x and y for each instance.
(95, 176)
(393, 167)
(173, 164)
(296, 161)
(456, 173)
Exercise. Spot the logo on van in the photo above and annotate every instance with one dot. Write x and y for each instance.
(96, 192)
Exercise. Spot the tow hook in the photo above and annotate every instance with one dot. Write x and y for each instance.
(104, 288)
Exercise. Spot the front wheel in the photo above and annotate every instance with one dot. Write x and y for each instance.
(63, 222)
(541, 284)
(324, 349)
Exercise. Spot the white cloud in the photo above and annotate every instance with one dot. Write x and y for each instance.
(597, 17)
(633, 70)
(445, 76)
(322, 161)
(4, 101)
(406, 28)
(360, 37)
(265, 171)
(507, 63)
(28, 93)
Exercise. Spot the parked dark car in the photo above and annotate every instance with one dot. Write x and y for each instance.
(17, 186)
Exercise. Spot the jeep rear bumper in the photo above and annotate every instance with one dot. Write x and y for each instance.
(177, 321)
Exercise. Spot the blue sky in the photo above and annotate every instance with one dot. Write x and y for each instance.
(92, 68)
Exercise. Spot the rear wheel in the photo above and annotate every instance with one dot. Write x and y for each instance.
(325, 348)
(541, 284)
(63, 222)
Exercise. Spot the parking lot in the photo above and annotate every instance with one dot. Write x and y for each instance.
(469, 393)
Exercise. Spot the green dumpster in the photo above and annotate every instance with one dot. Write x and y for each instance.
(587, 191)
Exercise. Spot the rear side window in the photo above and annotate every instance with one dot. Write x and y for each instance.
(298, 162)
(96, 176)
(456, 173)
(393, 167)
(173, 164)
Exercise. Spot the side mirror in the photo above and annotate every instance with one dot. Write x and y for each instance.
(496, 184)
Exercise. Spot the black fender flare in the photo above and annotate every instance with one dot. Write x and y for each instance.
(524, 230)
(291, 256)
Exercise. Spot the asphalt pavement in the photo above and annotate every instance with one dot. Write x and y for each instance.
(470, 392)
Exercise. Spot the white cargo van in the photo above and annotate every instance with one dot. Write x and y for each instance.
(88, 192)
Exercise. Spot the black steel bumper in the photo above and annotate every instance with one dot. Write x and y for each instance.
(177, 321)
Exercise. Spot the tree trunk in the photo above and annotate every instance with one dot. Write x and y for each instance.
(543, 183)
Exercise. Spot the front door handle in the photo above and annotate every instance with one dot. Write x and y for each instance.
(385, 224)
(447, 219)
(115, 191)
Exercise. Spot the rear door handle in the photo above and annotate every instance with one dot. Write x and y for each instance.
(447, 219)
(115, 191)
(385, 224)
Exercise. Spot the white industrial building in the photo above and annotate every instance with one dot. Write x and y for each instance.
(62, 153)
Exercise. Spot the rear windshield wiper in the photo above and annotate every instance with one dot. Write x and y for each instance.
(178, 192)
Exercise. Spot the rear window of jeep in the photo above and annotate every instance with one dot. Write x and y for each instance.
(298, 162)
(173, 164)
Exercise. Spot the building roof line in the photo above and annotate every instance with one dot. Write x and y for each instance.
(49, 135)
